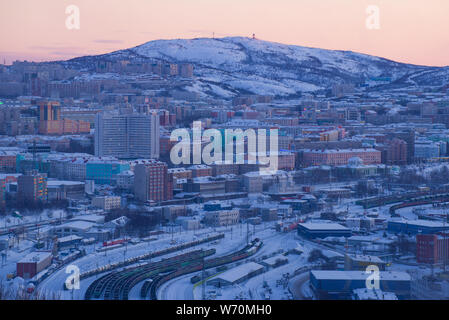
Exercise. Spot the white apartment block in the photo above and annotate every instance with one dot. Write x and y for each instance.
(222, 218)
(107, 202)
(127, 136)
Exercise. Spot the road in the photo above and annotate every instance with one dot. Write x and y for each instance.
(296, 286)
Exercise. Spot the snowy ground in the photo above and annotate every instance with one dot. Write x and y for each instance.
(182, 288)
(31, 218)
(235, 239)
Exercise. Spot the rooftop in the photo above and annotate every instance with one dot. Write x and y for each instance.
(323, 226)
(359, 275)
(239, 272)
(36, 256)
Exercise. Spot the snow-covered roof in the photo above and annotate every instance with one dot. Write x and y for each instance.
(69, 238)
(422, 223)
(239, 272)
(374, 294)
(323, 226)
(80, 225)
(359, 275)
(89, 218)
(364, 258)
(273, 260)
(340, 150)
(63, 182)
(36, 256)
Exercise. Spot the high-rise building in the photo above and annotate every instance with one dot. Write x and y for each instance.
(50, 121)
(49, 111)
(432, 248)
(151, 181)
(32, 187)
(394, 152)
(127, 136)
(408, 135)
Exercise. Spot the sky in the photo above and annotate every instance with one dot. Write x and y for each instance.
(412, 31)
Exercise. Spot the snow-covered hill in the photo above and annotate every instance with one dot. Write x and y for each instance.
(232, 65)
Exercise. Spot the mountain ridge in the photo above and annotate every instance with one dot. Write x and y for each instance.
(229, 66)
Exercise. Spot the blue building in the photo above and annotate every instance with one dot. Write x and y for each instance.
(337, 285)
(104, 172)
(416, 227)
(322, 230)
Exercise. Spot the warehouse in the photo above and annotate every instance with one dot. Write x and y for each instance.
(85, 229)
(331, 284)
(237, 274)
(73, 228)
(416, 227)
(69, 241)
(33, 263)
(361, 262)
(275, 261)
(61, 190)
(322, 230)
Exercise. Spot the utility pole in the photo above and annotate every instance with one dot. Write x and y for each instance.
(203, 283)
(247, 232)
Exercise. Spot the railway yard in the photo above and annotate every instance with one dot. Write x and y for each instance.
(207, 263)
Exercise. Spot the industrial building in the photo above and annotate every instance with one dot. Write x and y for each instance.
(323, 230)
(33, 263)
(236, 275)
(69, 241)
(417, 227)
(432, 248)
(332, 284)
(61, 190)
(275, 261)
(83, 229)
(361, 262)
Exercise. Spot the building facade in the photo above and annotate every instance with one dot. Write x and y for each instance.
(127, 136)
(151, 182)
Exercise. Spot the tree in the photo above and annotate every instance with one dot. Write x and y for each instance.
(315, 255)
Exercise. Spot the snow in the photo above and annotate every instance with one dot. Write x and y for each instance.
(323, 226)
(374, 294)
(237, 273)
(35, 257)
(359, 275)
(262, 67)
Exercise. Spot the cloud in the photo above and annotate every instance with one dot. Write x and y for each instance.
(50, 48)
(107, 41)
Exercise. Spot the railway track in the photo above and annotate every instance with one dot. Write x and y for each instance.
(152, 287)
(117, 285)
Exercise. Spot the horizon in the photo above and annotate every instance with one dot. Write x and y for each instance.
(408, 32)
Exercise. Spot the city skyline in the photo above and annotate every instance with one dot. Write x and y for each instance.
(408, 32)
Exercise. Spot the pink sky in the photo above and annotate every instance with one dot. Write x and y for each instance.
(412, 31)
